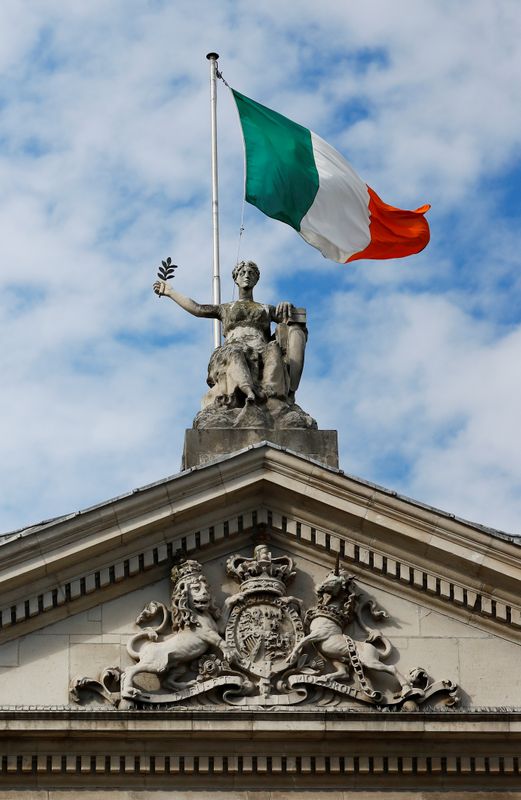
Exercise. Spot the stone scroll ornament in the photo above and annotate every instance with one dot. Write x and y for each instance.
(260, 649)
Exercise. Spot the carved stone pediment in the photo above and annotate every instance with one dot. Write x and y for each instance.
(72, 588)
(262, 648)
(64, 566)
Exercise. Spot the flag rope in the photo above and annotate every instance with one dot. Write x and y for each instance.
(241, 231)
(221, 77)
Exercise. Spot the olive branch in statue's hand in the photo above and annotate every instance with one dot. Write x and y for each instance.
(165, 272)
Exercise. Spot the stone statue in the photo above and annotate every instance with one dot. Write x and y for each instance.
(195, 631)
(254, 375)
(336, 609)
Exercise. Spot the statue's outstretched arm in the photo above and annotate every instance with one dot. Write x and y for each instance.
(163, 289)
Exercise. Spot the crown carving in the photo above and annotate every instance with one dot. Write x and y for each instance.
(262, 573)
(186, 570)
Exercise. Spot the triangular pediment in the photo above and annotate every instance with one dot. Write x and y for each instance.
(449, 588)
(40, 666)
(447, 618)
(53, 569)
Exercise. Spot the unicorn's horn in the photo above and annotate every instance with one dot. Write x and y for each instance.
(337, 564)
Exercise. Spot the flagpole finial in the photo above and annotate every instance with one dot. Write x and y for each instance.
(212, 56)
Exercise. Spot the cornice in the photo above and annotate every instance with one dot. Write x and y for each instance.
(80, 560)
(199, 749)
(260, 723)
(216, 482)
(61, 594)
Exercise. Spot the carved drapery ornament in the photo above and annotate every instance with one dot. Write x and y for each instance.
(260, 649)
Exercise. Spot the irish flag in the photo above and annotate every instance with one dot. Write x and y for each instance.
(295, 176)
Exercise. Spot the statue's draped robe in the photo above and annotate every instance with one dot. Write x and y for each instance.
(249, 357)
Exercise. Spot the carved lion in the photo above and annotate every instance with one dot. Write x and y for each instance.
(195, 632)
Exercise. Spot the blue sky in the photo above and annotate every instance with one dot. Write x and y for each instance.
(105, 169)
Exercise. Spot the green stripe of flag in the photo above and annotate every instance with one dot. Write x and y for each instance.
(281, 175)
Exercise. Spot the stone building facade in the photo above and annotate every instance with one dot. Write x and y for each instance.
(323, 637)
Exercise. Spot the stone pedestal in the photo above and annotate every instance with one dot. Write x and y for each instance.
(202, 446)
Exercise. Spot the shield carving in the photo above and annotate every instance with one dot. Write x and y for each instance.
(264, 630)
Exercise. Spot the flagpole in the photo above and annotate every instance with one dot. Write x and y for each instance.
(216, 281)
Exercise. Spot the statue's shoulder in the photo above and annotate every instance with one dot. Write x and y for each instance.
(225, 309)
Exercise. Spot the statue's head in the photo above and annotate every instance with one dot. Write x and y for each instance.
(190, 595)
(199, 594)
(337, 582)
(246, 274)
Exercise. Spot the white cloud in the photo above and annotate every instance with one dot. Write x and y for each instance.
(433, 390)
(104, 164)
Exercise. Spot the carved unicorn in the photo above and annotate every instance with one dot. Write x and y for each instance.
(336, 608)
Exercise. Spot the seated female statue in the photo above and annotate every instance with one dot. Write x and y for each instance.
(253, 367)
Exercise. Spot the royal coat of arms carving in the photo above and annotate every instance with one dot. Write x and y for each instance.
(264, 624)
(261, 648)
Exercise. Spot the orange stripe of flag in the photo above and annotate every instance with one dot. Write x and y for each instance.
(394, 232)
